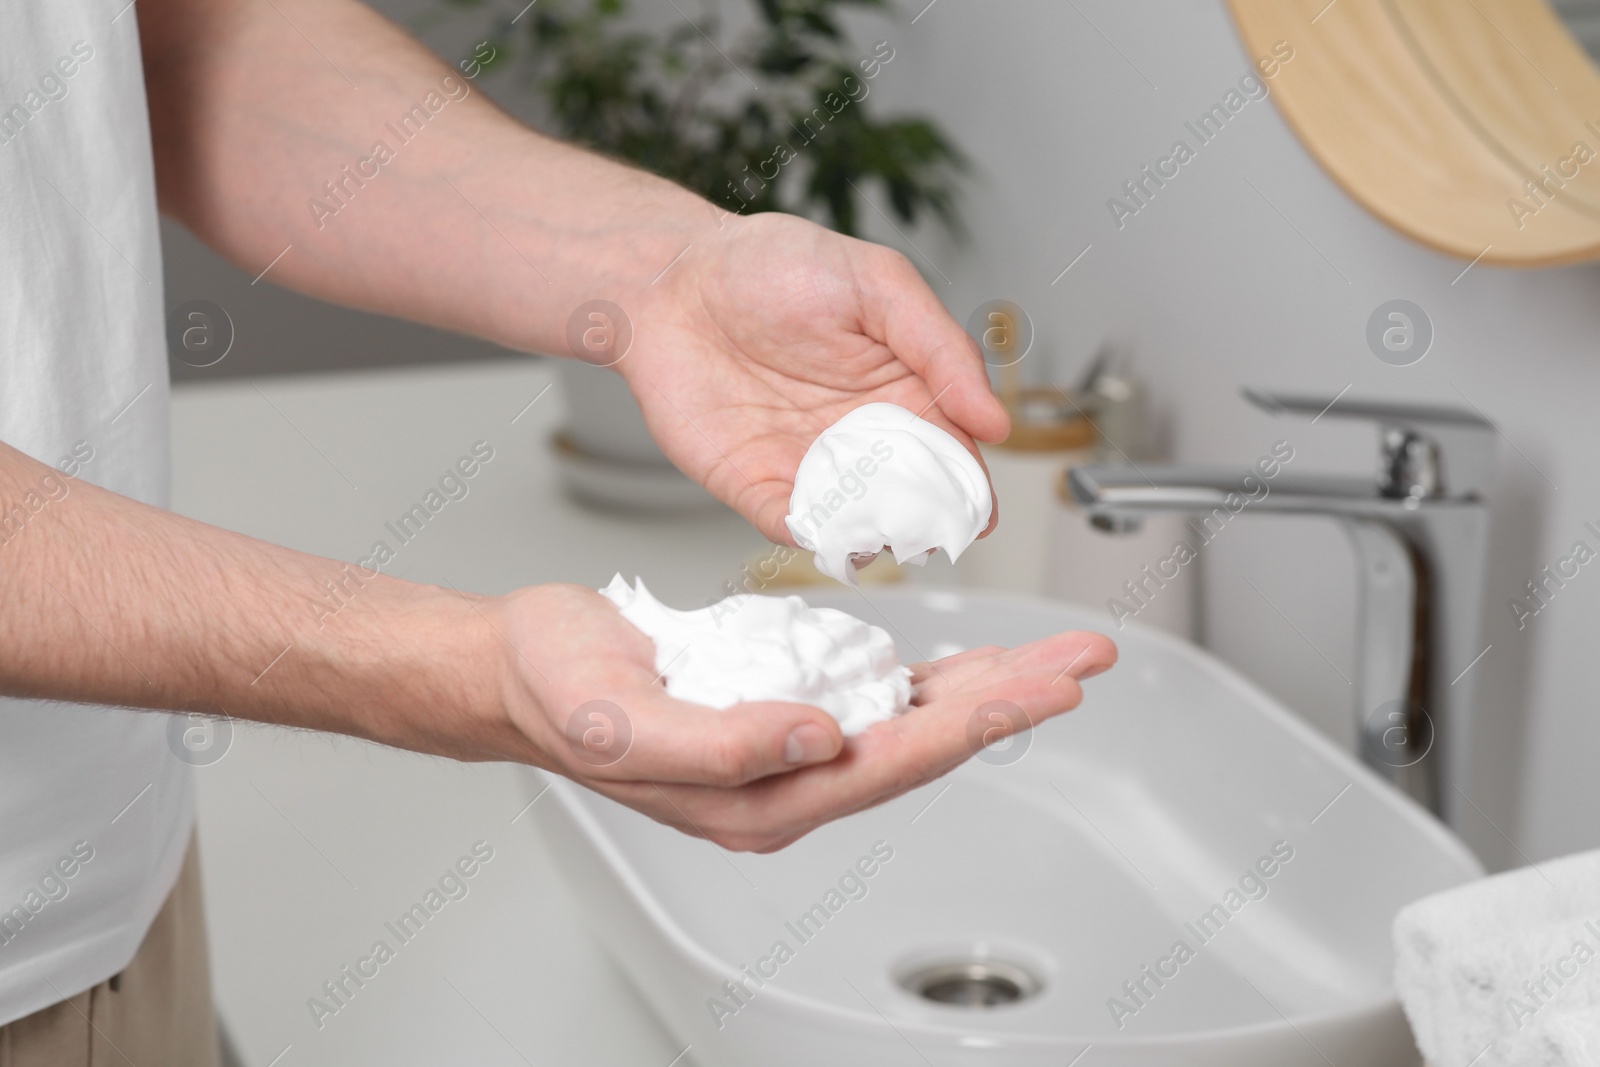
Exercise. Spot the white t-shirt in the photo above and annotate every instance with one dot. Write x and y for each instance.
(95, 808)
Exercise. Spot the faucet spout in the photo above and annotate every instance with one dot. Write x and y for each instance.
(1419, 530)
(1118, 487)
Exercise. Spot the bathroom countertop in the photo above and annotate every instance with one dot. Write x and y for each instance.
(312, 843)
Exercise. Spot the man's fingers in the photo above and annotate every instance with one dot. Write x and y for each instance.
(931, 681)
(1079, 654)
(656, 738)
(766, 504)
(1076, 653)
(994, 497)
(890, 758)
(923, 335)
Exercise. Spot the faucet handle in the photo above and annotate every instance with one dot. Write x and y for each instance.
(1426, 450)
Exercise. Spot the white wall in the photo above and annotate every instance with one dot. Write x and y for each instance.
(1218, 290)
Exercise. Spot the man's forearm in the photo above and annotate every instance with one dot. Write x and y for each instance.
(457, 216)
(106, 600)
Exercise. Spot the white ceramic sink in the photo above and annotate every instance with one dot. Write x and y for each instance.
(1075, 867)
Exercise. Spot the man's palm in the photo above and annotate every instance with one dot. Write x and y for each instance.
(758, 344)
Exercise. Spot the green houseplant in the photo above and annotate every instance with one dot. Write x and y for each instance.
(758, 105)
(771, 116)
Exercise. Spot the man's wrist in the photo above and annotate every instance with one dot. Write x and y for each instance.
(624, 235)
(410, 665)
(461, 668)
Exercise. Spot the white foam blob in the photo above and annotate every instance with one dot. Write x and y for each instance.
(882, 478)
(752, 648)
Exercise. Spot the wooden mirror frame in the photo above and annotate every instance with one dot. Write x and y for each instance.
(1472, 126)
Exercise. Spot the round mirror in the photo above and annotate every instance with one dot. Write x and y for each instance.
(1472, 126)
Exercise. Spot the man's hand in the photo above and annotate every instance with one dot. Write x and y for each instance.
(771, 330)
(751, 335)
(756, 776)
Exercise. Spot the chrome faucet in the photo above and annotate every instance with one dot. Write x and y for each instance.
(1420, 532)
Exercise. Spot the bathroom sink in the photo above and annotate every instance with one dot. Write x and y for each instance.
(1029, 908)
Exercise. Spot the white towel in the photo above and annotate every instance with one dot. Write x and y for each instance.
(1505, 971)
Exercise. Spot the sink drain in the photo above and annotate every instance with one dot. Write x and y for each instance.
(972, 983)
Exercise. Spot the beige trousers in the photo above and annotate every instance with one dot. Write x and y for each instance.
(156, 1013)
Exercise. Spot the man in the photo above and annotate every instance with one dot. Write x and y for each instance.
(750, 336)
